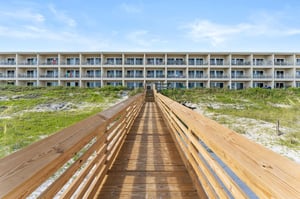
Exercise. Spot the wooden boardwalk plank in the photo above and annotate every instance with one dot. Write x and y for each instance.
(148, 165)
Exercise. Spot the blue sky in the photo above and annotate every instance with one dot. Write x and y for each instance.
(149, 25)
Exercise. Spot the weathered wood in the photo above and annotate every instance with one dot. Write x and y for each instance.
(268, 174)
(148, 163)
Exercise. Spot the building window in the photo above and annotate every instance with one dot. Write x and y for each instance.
(279, 62)
(110, 61)
(237, 74)
(237, 85)
(258, 74)
(73, 61)
(30, 83)
(139, 61)
(10, 73)
(119, 61)
(30, 73)
(159, 61)
(130, 61)
(31, 61)
(237, 61)
(52, 61)
(279, 74)
(11, 61)
(93, 61)
(216, 84)
(72, 84)
(216, 61)
(258, 85)
(216, 74)
(258, 62)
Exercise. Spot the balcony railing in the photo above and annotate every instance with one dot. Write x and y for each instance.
(70, 76)
(284, 77)
(282, 63)
(27, 76)
(176, 62)
(91, 76)
(7, 63)
(134, 76)
(176, 76)
(48, 63)
(262, 63)
(155, 76)
(91, 63)
(262, 76)
(7, 76)
(239, 76)
(198, 64)
(113, 76)
(241, 63)
(70, 63)
(218, 76)
(198, 76)
(48, 76)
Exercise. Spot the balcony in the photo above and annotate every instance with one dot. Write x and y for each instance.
(176, 62)
(284, 77)
(91, 76)
(240, 63)
(198, 76)
(282, 63)
(262, 77)
(240, 76)
(219, 76)
(70, 63)
(176, 76)
(134, 76)
(91, 63)
(48, 76)
(28, 63)
(7, 63)
(157, 76)
(262, 63)
(7, 76)
(27, 76)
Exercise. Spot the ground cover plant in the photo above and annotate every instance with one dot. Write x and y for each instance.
(255, 104)
(28, 114)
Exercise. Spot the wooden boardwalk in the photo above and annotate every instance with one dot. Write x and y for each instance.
(148, 165)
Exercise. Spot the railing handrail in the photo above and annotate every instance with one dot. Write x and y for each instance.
(25, 170)
(266, 173)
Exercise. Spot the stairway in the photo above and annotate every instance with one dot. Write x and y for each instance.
(149, 95)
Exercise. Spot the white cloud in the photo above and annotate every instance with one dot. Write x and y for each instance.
(131, 8)
(263, 25)
(62, 17)
(25, 15)
(142, 38)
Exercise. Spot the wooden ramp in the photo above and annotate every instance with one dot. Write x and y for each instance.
(148, 165)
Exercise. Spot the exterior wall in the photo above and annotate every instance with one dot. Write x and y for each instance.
(139, 69)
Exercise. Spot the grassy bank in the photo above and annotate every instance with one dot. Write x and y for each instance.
(267, 105)
(28, 114)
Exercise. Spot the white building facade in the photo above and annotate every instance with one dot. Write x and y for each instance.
(236, 70)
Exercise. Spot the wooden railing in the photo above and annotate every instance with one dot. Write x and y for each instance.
(72, 162)
(224, 164)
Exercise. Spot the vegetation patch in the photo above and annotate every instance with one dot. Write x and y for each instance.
(265, 106)
(28, 114)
